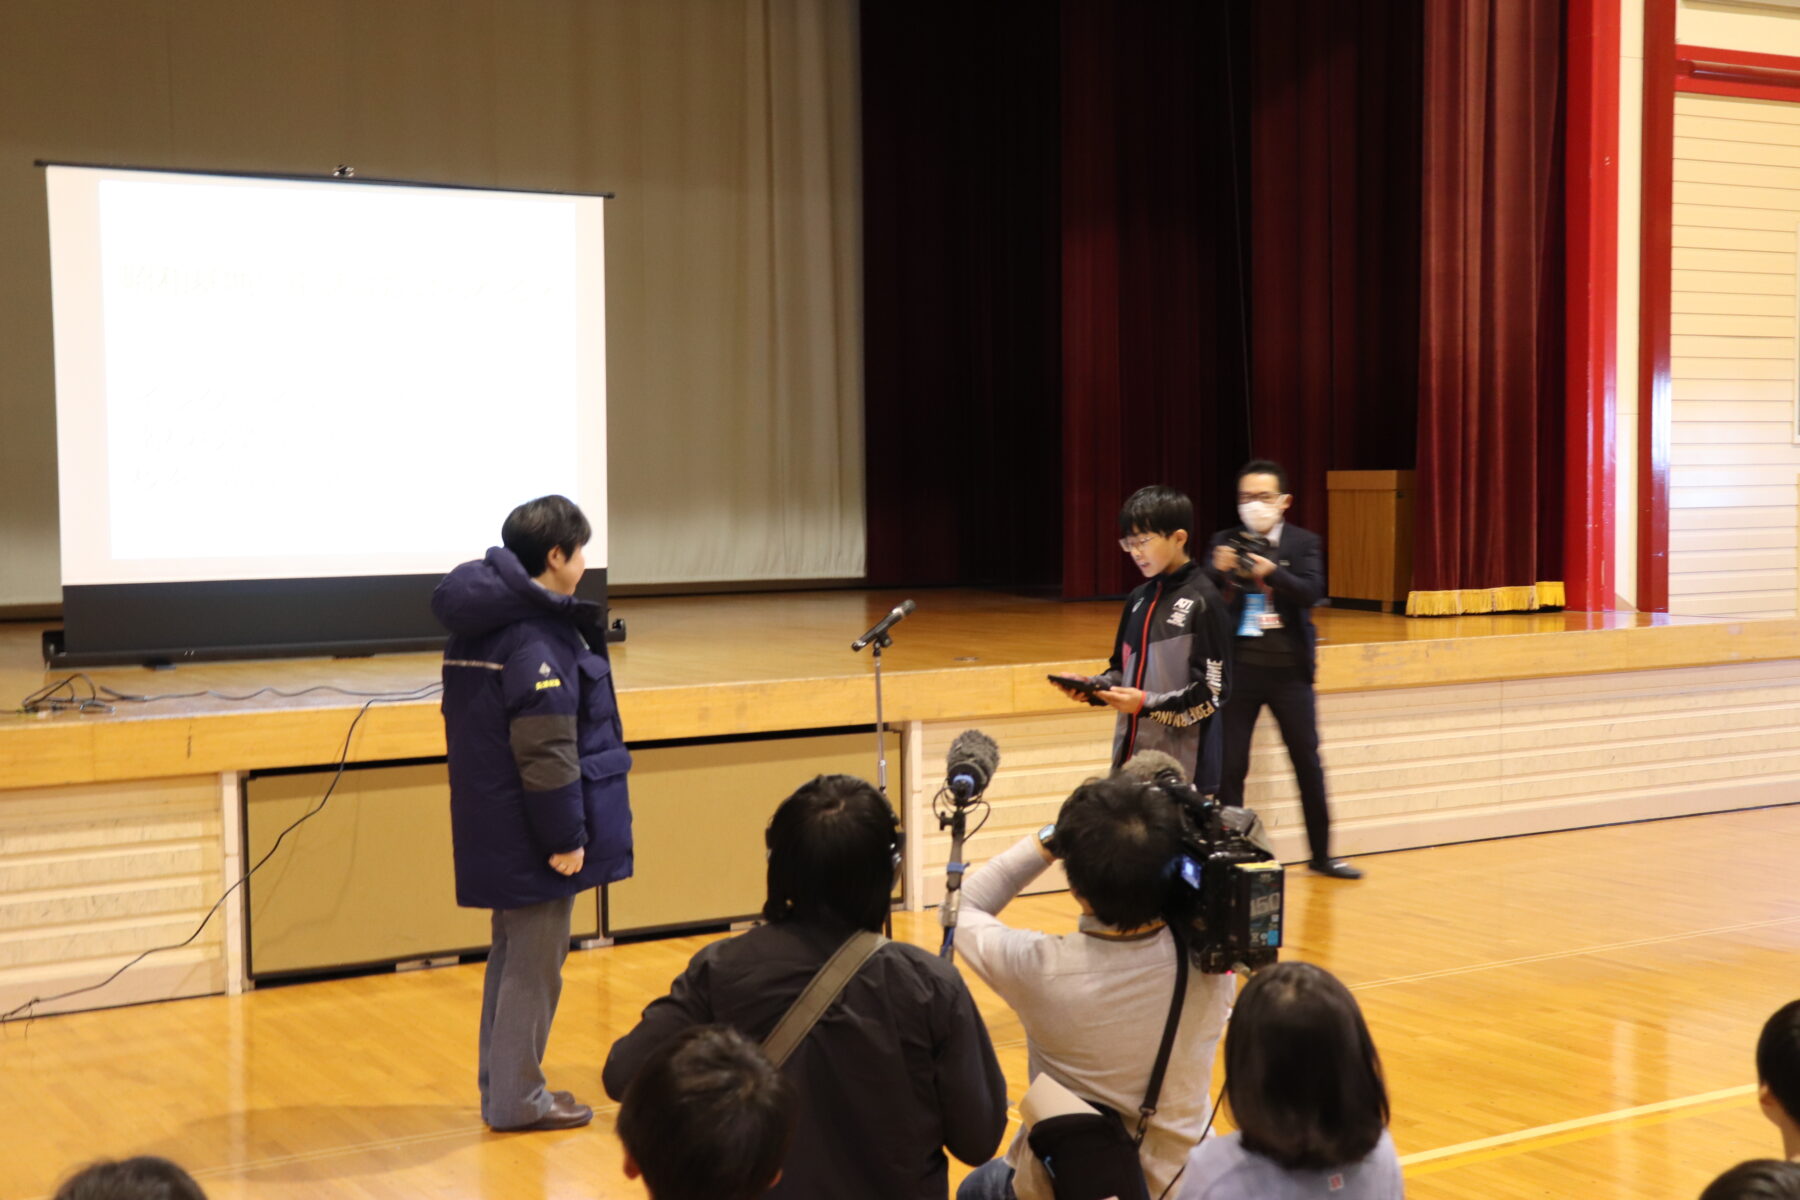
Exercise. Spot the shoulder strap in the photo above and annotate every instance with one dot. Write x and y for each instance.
(826, 986)
(1163, 1051)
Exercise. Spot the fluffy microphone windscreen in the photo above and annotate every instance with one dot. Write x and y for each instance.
(1146, 765)
(973, 752)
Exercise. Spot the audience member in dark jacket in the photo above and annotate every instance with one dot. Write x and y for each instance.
(900, 1068)
(538, 806)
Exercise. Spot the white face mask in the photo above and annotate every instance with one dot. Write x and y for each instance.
(1259, 516)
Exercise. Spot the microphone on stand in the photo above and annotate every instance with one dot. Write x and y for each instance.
(880, 628)
(878, 635)
(968, 767)
(970, 764)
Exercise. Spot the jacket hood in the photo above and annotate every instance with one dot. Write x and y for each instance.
(490, 593)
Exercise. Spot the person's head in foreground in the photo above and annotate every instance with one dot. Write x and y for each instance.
(1116, 838)
(1301, 1072)
(834, 848)
(1778, 1074)
(1762, 1179)
(141, 1178)
(707, 1118)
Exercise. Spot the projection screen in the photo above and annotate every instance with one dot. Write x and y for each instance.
(285, 407)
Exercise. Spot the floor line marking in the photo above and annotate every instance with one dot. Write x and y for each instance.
(1731, 1097)
(393, 1143)
(247, 1166)
(1627, 1125)
(1577, 952)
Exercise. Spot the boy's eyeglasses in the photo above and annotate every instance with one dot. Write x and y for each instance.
(1132, 544)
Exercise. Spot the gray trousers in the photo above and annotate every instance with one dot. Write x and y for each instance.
(518, 1002)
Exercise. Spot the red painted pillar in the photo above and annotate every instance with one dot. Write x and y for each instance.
(1592, 268)
(1655, 397)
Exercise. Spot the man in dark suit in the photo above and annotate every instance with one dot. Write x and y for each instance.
(1271, 597)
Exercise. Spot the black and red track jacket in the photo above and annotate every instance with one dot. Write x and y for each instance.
(1174, 643)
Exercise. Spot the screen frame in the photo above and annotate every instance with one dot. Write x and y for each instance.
(162, 622)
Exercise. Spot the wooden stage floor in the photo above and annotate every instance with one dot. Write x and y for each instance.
(726, 666)
(1566, 1015)
(797, 637)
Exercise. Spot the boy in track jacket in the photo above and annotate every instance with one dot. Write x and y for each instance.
(1169, 673)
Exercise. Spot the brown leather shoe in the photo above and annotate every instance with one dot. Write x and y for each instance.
(565, 1112)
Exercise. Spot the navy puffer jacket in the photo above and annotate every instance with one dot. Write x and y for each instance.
(537, 757)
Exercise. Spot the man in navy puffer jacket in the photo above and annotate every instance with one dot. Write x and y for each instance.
(538, 804)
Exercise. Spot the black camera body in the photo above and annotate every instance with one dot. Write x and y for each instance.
(1228, 890)
(1246, 544)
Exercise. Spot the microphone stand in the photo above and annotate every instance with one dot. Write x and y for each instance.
(882, 641)
(878, 637)
(956, 821)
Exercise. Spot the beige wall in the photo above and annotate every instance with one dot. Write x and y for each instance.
(1732, 27)
(726, 127)
(1734, 461)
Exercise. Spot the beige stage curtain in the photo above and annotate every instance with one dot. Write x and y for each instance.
(727, 129)
(736, 406)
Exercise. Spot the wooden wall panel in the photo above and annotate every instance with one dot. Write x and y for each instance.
(92, 875)
(1414, 767)
(1734, 458)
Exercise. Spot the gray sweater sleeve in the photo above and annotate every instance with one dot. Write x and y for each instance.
(1000, 955)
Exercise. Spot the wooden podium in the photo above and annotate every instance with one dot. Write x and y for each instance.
(1371, 537)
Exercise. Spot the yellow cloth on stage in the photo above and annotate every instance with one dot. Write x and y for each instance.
(1528, 598)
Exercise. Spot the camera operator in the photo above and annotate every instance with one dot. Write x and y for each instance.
(1271, 574)
(1094, 1003)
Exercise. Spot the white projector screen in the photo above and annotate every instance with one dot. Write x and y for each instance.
(263, 378)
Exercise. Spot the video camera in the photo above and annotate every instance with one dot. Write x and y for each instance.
(1229, 889)
(1245, 544)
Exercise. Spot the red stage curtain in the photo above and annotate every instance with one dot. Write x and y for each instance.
(1487, 515)
(1335, 239)
(1154, 214)
(1064, 264)
(961, 242)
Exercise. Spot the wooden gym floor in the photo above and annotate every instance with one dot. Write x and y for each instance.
(1567, 1015)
